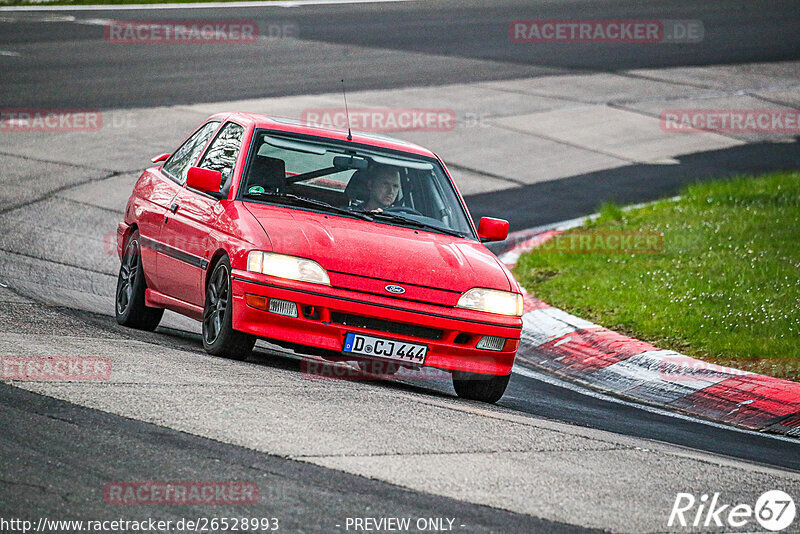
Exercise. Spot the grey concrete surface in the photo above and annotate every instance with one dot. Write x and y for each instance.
(520, 156)
(246, 403)
(786, 97)
(469, 101)
(602, 88)
(754, 101)
(406, 436)
(410, 435)
(526, 131)
(381, 46)
(25, 179)
(111, 194)
(472, 183)
(125, 142)
(750, 77)
(56, 458)
(613, 132)
(626, 495)
(57, 230)
(473, 453)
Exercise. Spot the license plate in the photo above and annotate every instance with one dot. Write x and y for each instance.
(384, 348)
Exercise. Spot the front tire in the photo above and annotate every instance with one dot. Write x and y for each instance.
(130, 309)
(484, 388)
(219, 337)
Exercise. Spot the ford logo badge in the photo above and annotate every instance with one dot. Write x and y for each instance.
(397, 290)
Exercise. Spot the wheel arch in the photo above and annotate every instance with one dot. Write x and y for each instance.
(218, 254)
(133, 227)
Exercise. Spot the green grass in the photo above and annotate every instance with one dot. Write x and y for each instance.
(725, 288)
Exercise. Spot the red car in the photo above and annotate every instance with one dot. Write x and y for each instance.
(351, 247)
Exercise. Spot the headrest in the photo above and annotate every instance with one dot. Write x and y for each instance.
(269, 173)
(357, 186)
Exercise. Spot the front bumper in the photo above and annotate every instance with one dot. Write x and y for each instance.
(451, 334)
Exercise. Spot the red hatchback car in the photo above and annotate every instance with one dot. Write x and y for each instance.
(351, 247)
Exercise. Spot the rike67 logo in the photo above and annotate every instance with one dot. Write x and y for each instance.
(774, 511)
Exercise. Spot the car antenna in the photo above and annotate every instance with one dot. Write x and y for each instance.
(346, 113)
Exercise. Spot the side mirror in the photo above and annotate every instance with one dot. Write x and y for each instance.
(204, 180)
(161, 157)
(490, 229)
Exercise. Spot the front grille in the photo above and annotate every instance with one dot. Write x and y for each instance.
(371, 323)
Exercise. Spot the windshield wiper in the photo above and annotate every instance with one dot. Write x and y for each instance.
(411, 222)
(303, 201)
(367, 216)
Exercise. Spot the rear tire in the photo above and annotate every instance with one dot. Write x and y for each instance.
(219, 337)
(484, 388)
(130, 309)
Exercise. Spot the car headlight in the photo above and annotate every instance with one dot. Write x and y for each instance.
(283, 266)
(492, 300)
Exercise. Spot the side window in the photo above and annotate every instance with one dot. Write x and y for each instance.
(177, 166)
(221, 155)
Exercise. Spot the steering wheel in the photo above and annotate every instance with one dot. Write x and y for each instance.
(403, 209)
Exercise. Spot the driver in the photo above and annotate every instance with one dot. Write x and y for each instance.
(383, 188)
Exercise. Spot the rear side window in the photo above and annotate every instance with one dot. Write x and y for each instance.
(221, 155)
(177, 166)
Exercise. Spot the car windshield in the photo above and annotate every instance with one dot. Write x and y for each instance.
(386, 187)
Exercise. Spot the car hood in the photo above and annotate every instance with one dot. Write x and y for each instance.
(381, 251)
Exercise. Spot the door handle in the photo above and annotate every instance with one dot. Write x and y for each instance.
(173, 208)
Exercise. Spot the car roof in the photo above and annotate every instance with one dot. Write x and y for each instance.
(288, 125)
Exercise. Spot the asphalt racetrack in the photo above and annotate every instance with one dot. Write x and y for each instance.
(549, 457)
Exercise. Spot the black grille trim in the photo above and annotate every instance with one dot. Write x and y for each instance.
(370, 323)
(388, 307)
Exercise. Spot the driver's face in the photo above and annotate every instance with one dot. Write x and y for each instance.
(384, 189)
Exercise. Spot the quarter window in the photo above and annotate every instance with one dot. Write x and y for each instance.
(222, 153)
(177, 166)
